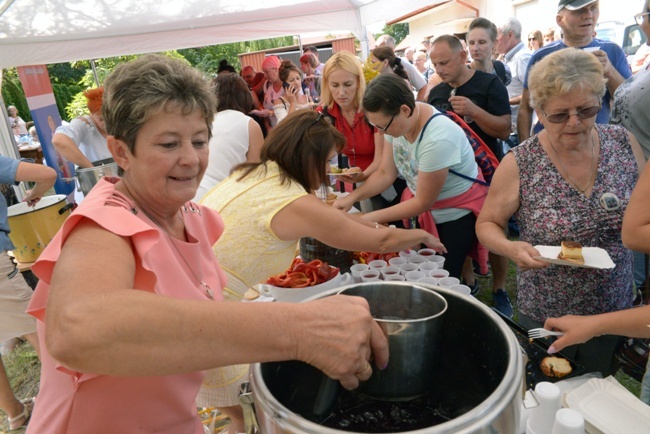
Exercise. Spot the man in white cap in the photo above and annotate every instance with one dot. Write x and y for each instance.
(577, 19)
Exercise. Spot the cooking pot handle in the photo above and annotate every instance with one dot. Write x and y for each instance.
(246, 399)
(66, 207)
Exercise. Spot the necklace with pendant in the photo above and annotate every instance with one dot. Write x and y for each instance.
(206, 288)
(593, 165)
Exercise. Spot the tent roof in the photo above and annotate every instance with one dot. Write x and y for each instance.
(50, 31)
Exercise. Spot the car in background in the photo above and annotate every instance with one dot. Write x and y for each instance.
(628, 36)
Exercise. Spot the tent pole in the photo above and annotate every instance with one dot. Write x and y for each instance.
(92, 65)
(300, 45)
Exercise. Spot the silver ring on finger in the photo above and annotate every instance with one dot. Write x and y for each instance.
(367, 368)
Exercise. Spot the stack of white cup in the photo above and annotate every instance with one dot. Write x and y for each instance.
(548, 417)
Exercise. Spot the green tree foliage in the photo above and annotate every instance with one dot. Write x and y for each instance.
(397, 31)
(207, 59)
(13, 94)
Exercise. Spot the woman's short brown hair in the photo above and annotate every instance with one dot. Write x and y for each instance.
(563, 71)
(232, 93)
(137, 90)
(300, 145)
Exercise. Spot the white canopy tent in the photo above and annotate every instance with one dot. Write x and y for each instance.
(50, 31)
(36, 32)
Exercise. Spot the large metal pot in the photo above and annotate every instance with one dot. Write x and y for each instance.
(479, 380)
(32, 229)
(87, 178)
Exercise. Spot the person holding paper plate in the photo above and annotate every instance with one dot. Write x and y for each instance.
(570, 182)
(632, 322)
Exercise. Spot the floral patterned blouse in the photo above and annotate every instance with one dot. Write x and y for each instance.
(551, 210)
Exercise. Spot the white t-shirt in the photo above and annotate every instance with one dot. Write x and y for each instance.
(228, 148)
(89, 140)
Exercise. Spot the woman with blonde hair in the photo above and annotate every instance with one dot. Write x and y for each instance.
(343, 86)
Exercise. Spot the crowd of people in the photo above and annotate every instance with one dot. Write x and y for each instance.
(218, 181)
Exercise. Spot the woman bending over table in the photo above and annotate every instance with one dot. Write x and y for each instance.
(433, 155)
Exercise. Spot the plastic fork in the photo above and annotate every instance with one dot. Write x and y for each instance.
(542, 333)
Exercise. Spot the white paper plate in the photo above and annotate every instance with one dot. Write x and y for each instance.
(595, 257)
(609, 408)
(350, 174)
(295, 295)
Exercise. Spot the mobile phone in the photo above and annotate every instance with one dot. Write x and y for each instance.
(285, 85)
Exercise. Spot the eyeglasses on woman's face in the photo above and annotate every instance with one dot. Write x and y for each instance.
(383, 129)
(561, 117)
(640, 17)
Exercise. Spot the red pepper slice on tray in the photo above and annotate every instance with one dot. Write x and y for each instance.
(301, 274)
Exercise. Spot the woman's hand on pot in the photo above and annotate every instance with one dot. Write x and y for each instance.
(339, 338)
(31, 198)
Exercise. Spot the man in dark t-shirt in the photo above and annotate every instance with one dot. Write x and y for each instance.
(479, 97)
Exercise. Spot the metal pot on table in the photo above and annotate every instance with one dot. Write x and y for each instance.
(88, 177)
(477, 386)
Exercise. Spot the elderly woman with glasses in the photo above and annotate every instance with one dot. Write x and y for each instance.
(570, 182)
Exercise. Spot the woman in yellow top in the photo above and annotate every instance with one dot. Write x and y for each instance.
(267, 207)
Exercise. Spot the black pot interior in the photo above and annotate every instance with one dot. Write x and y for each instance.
(473, 361)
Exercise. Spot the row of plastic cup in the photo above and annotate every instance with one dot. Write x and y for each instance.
(408, 272)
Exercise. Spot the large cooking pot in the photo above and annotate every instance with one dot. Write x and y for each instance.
(87, 178)
(478, 385)
(32, 229)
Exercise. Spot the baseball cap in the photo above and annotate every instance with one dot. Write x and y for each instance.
(574, 5)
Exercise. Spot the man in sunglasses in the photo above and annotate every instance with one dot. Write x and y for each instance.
(578, 19)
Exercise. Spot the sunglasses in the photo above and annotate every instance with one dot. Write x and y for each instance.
(639, 17)
(561, 117)
(387, 126)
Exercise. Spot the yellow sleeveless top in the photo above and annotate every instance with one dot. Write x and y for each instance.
(248, 250)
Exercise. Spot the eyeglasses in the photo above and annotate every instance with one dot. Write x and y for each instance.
(639, 17)
(387, 126)
(531, 39)
(561, 117)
